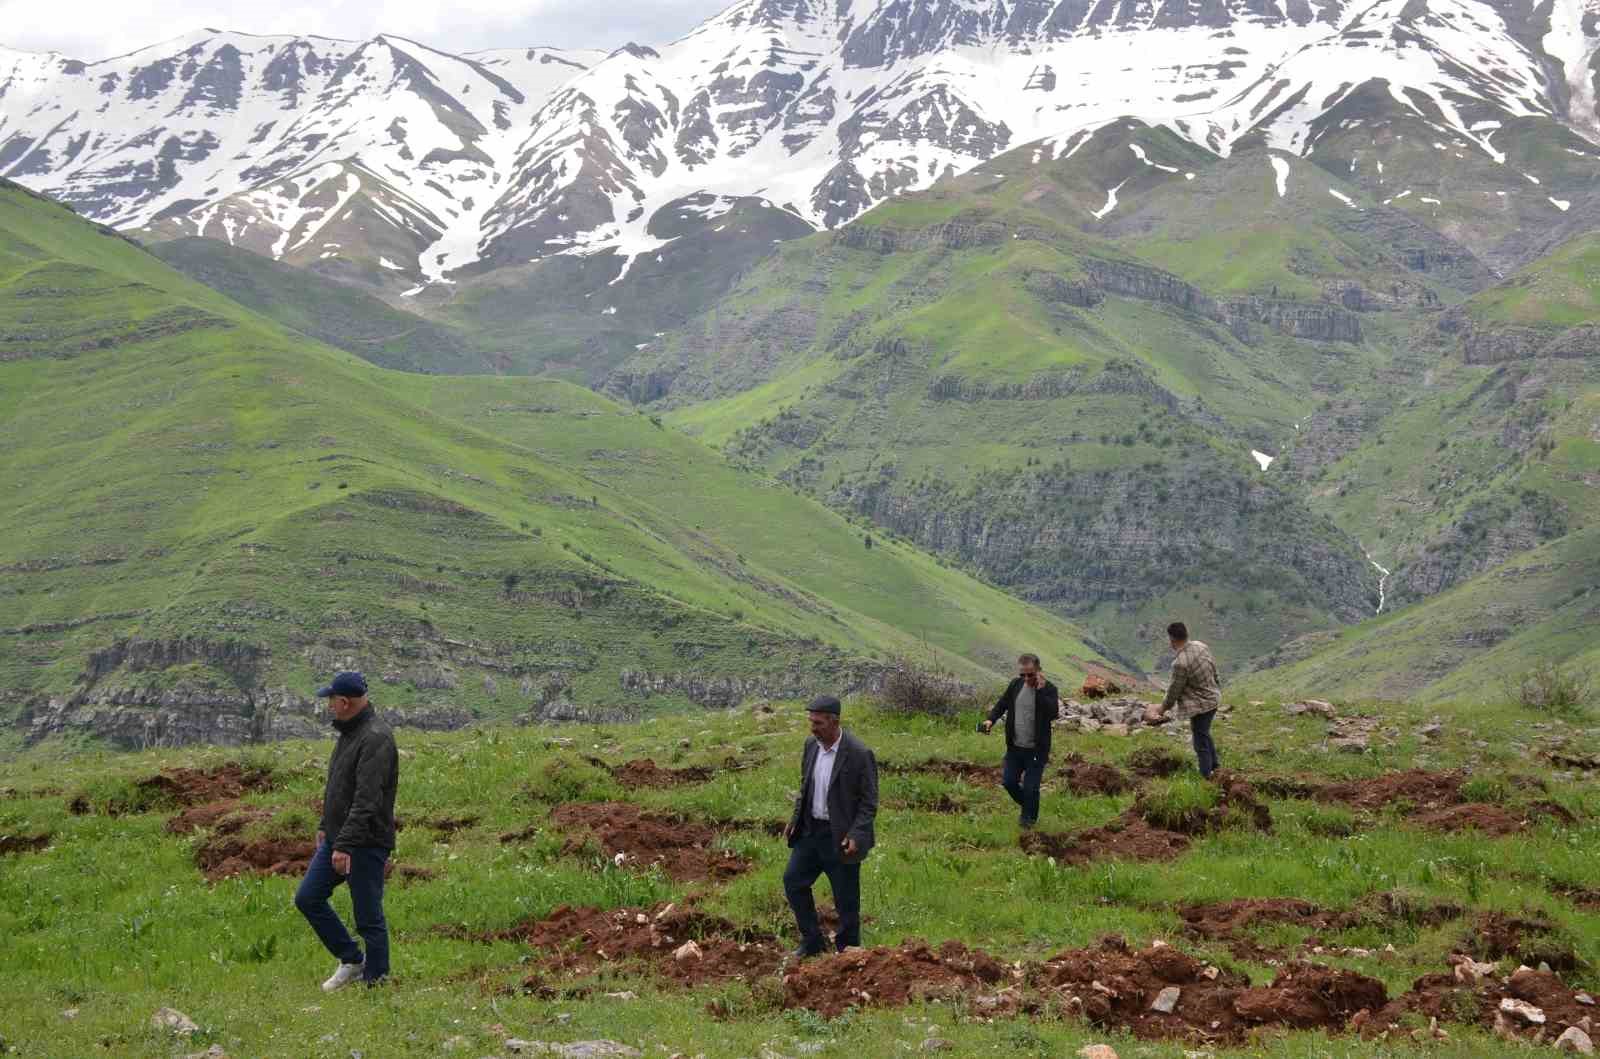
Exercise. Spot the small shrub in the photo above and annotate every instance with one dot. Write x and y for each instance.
(1486, 789)
(917, 689)
(1180, 803)
(1551, 687)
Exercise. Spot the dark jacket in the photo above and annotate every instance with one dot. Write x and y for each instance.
(852, 795)
(358, 803)
(1046, 708)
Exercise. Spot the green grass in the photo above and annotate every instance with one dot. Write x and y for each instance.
(1560, 290)
(114, 921)
(268, 508)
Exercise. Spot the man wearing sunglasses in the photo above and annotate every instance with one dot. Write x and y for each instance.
(1029, 705)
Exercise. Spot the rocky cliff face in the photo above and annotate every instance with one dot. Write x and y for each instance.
(1127, 535)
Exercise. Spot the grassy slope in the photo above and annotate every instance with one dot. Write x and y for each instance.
(114, 921)
(232, 483)
(1560, 290)
(329, 312)
(970, 315)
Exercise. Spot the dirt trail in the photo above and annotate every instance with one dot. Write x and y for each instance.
(682, 848)
(911, 972)
(18, 844)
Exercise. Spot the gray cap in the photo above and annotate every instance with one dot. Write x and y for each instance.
(824, 704)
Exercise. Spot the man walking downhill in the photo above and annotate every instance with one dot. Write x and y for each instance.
(1029, 705)
(831, 829)
(1194, 694)
(356, 835)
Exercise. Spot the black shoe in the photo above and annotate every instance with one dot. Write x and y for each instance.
(806, 952)
(1027, 825)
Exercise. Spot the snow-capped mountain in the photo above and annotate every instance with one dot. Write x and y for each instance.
(426, 165)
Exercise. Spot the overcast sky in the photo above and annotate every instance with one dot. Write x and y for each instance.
(98, 29)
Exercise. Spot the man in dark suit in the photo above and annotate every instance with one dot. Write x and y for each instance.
(1029, 705)
(831, 830)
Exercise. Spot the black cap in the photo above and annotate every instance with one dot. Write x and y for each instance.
(349, 684)
(824, 704)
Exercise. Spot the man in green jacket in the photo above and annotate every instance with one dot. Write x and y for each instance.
(356, 835)
(1194, 693)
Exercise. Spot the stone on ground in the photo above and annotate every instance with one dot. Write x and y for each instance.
(174, 1022)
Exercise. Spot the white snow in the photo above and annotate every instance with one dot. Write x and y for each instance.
(1431, 202)
(386, 263)
(1342, 197)
(1262, 458)
(1281, 167)
(1111, 202)
(1383, 580)
(1575, 52)
(1561, 204)
(1140, 154)
(1531, 178)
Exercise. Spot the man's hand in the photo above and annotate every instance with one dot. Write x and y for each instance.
(987, 726)
(788, 831)
(1154, 714)
(322, 836)
(341, 862)
(849, 847)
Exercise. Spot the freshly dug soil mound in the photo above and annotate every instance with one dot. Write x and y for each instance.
(683, 849)
(1126, 838)
(1443, 997)
(582, 941)
(18, 844)
(1091, 777)
(1152, 762)
(1116, 987)
(225, 856)
(961, 771)
(1473, 816)
(186, 786)
(447, 825)
(1529, 940)
(1223, 919)
(1230, 921)
(1417, 788)
(884, 977)
(1287, 787)
(643, 772)
(226, 817)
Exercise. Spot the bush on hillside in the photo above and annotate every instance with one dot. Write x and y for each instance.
(1551, 687)
(911, 687)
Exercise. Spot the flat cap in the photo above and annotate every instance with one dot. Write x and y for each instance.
(824, 704)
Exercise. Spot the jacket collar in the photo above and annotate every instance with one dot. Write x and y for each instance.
(355, 723)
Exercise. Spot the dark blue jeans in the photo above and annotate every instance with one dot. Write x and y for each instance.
(813, 855)
(1204, 749)
(366, 895)
(1024, 772)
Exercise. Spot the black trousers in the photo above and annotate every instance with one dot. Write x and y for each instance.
(814, 854)
(1205, 751)
(1022, 777)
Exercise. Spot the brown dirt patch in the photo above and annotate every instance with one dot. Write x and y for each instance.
(1091, 777)
(224, 856)
(1529, 940)
(891, 977)
(1578, 895)
(643, 772)
(1473, 816)
(1287, 787)
(1223, 919)
(19, 844)
(227, 817)
(1114, 986)
(1419, 789)
(187, 786)
(1229, 921)
(682, 848)
(1126, 838)
(1442, 997)
(960, 771)
(1152, 762)
(583, 941)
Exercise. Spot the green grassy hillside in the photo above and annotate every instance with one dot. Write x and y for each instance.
(209, 512)
(108, 918)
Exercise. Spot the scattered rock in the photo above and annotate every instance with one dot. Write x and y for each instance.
(1576, 1041)
(1097, 1051)
(937, 1044)
(70, 1014)
(175, 1022)
(213, 1052)
(1315, 707)
(585, 1050)
(1522, 1010)
(687, 951)
(1166, 1001)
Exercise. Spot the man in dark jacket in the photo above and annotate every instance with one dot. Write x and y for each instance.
(1029, 705)
(831, 829)
(356, 835)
